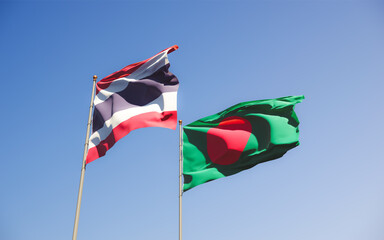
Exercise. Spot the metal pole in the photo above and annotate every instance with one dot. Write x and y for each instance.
(75, 227)
(180, 176)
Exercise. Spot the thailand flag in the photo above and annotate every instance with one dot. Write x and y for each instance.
(142, 94)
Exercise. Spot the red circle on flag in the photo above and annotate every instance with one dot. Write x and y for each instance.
(226, 142)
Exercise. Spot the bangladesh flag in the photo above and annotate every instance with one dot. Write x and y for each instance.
(239, 138)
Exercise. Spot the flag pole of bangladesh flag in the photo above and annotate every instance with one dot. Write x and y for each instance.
(239, 138)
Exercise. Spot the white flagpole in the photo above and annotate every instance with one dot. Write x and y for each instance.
(180, 176)
(75, 227)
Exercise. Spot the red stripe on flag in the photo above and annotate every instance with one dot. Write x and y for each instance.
(126, 71)
(152, 119)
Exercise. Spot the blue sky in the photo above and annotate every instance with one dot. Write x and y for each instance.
(330, 187)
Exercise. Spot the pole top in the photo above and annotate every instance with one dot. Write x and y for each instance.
(180, 122)
(94, 77)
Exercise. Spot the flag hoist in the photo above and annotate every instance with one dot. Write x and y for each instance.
(74, 236)
(143, 94)
(180, 176)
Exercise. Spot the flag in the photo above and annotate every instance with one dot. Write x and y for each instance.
(238, 138)
(142, 94)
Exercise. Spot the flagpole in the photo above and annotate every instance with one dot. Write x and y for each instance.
(180, 176)
(76, 225)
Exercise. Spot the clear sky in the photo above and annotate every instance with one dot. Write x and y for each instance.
(330, 187)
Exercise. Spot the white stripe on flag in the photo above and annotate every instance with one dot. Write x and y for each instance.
(168, 100)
